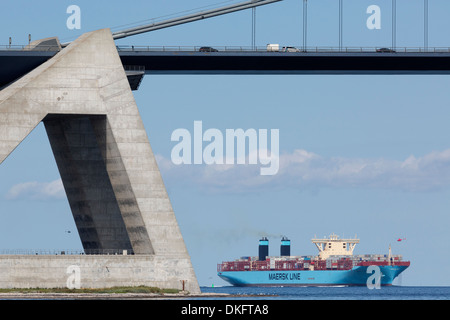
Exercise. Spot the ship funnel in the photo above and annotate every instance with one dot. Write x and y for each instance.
(285, 249)
(263, 249)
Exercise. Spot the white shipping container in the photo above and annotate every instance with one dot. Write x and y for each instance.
(272, 263)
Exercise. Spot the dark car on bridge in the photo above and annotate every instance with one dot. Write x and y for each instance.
(385, 50)
(208, 49)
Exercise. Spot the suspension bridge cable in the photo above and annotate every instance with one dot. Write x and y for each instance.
(425, 27)
(305, 23)
(394, 24)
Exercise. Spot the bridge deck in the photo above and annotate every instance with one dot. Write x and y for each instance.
(16, 63)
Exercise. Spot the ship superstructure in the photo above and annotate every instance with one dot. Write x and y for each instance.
(334, 246)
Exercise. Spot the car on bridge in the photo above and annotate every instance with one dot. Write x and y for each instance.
(290, 49)
(207, 49)
(385, 50)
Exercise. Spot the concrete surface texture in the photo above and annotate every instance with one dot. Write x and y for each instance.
(109, 172)
(93, 271)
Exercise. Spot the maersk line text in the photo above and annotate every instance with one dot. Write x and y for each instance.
(284, 276)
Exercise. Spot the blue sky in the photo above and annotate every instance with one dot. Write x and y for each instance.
(365, 155)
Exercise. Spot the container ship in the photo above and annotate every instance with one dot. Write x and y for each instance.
(335, 265)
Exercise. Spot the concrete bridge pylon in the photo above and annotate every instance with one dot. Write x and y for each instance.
(109, 172)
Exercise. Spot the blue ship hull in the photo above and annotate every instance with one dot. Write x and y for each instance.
(357, 276)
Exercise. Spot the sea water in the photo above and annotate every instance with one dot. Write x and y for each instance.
(332, 293)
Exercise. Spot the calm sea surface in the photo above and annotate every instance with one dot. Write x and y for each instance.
(335, 293)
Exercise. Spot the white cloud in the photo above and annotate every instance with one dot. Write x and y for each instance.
(37, 190)
(300, 169)
(303, 169)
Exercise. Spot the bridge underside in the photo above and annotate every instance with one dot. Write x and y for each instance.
(110, 175)
(288, 63)
(14, 64)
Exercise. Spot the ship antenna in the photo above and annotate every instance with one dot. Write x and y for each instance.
(390, 255)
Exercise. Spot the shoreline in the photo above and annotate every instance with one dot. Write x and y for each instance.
(107, 296)
(118, 296)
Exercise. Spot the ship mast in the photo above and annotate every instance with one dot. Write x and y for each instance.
(389, 255)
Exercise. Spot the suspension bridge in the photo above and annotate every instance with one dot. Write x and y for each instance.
(15, 61)
(81, 92)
